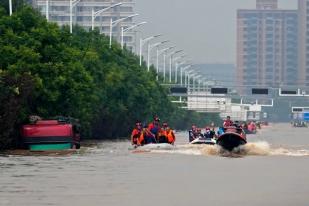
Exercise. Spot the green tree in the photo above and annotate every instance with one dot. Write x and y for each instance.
(77, 75)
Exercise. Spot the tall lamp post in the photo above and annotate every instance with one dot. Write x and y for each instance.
(159, 52)
(194, 78)
(199, 85)
(97, 13)
(187, 78)
(188, 83)
(72, 4)
(46, 9)
(205, 84)
(181, 72)
(114, 23)
(177, 65)
(176, 70)
(10, 7)
(123, 30)
(142, 42)
(171, 62)
(150, 47)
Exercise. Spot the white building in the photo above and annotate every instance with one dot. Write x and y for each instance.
(59, 12)
(222, 104)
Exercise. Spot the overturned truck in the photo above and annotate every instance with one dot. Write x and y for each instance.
(55, 134)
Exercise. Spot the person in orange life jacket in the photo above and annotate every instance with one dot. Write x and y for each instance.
(228, 122)
(136, 133)
(168, 133)
(154, 127)
(148, 136)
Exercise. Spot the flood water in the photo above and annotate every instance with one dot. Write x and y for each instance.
(273, 169)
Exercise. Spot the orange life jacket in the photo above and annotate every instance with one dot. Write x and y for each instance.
(135, 136)
(141, 139)
(170, 136)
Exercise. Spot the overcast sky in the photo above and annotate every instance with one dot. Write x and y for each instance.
(205, 29)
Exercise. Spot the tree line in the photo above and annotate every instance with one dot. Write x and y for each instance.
(46, 71)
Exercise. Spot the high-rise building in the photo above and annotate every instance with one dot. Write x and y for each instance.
(59, 12)
(303, 10)
(267, 45)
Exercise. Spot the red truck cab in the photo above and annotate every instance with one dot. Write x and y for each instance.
(51, 132)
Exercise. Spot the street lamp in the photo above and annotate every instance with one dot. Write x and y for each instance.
(199, 83)
(10, 7)
(187, 78)
(171, 62)
(97, 13)
(150, 47)
(181, 72)
(176, 69)
(206, 83)
(194, 79)
(159, 52)
(114, 23)
(46, 9)
(72, 4)
(127, 29)
(176, 65)
(142, 42)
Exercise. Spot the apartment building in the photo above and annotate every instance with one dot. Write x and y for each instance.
(59, 12)
(267, 45)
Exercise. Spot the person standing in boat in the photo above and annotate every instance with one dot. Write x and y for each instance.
(228, 122)
(136, 133)
(154, 127)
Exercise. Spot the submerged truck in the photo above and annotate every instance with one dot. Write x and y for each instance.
(44, 135)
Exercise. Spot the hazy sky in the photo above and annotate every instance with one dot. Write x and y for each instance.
(205, 29)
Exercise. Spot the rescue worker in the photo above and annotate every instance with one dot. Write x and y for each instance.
(228, 122)
(136, 133)
(162, 136)
(168, 133)
(147, 136)
(192, 133)
(199, 133)
(220, 131)
(154, 127)
(244, 125)
(237, 125)
(209, 134)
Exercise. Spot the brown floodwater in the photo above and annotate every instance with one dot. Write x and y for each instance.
(272, 169)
